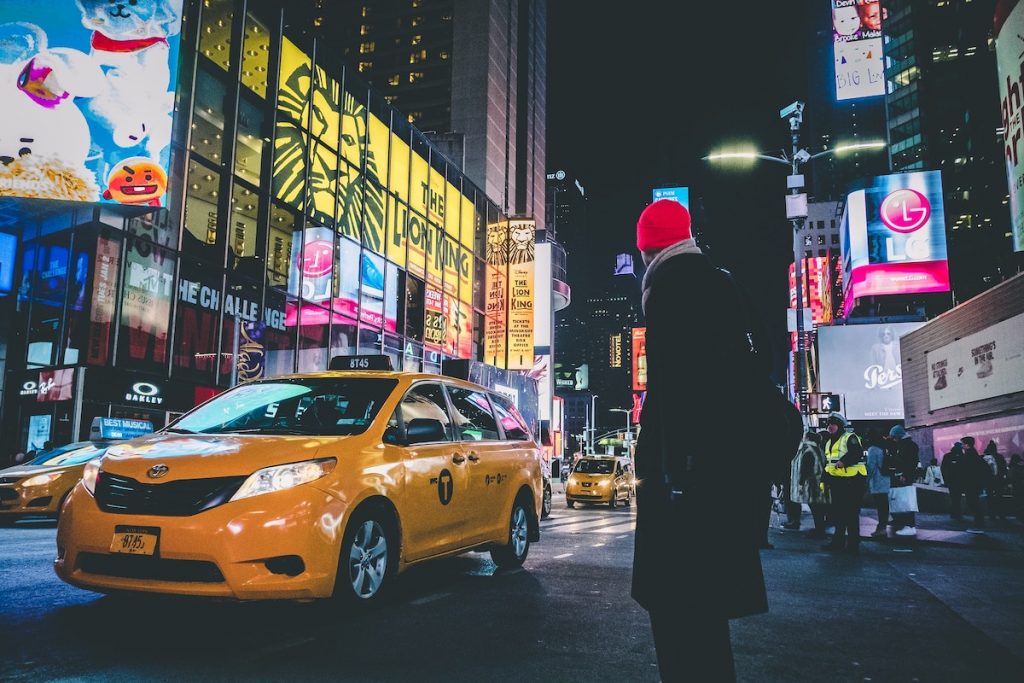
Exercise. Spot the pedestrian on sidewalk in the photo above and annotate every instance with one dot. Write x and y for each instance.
(954, 466)
(806, 486)
(933, 475)
(1016, 476)
(906, 461)
(700, 506)
(845, 475)
(997, 489)
(976, 475)
(879, 474)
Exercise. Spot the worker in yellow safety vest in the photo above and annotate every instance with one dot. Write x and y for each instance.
(845, 476)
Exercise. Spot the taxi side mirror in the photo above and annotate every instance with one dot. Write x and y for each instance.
(393, 436)
(424, 430)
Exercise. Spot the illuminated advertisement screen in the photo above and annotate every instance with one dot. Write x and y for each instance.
(88, 99)
(894, 237)
(1009, 50)
(857, 48)
(8, 249)
(676, 194)
(862, 363)
(639, 359)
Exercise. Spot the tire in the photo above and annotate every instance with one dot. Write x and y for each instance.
(570, 503)
(366, 564)
(614, 502)
(545, 509)
(514, 553)
(629, 499)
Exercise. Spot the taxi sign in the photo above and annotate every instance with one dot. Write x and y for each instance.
(369, 362)
(115, 429)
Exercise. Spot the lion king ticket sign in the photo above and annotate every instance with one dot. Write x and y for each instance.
(88, 93)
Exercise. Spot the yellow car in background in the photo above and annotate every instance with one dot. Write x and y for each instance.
(600, 479)
(308, 486)
(39, 487)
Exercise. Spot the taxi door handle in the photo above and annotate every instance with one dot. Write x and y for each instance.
(473, 457)
(458, 459)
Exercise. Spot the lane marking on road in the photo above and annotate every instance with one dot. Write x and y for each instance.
(594, 523)
(619, 538)
(615, 529)
(553, 522)
(598, 545)
(562, 556)
(429, 598)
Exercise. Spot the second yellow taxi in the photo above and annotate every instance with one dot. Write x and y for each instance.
(600, 479)
(307, 486)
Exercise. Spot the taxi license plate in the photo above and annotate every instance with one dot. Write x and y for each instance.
(135, 540)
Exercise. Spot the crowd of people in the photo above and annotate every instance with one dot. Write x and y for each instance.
(834, 467)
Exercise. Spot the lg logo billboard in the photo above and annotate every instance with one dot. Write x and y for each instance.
(906, 211)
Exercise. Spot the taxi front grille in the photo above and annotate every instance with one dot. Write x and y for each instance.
(123, 495)
(150, 568)
(8, 494)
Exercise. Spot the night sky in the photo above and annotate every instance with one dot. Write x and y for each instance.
(637, 96)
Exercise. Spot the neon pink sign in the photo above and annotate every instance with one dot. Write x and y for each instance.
(905, 210)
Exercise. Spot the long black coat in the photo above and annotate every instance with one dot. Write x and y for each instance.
(704, 428)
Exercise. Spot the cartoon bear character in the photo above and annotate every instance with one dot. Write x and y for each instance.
(44, 136)
(137, 180)
(129, 43)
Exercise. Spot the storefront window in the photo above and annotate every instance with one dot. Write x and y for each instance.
(146, 304)
(414, 301)
(371, 271)
(106, 266)
(343, 337)
(313, 338)
(196, 321)
(279, 341)
(200, 235)
(208, 115)
(283, 224)
(249, 143)
(243, 256)
(45, 279)
(347, 297)
(242, 318)
(370, 341)
(255, 56)
(215, 31)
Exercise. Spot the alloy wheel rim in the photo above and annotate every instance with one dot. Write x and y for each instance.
(368, 559)
(519, 531)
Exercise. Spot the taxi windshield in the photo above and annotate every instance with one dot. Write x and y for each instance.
(595, 466)
(309, 406)
(71, 454)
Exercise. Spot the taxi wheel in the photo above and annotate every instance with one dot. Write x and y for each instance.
(614, 502)
(365, 570)
(629, 499)
(545, 510)
(570, 503)
(514, 554)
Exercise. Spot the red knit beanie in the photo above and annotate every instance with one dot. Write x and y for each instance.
(662, 224)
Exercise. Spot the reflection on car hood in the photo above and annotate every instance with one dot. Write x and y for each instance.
(28, 470)
(195, 456)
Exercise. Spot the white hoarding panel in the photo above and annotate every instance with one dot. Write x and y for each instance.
(982, 365)
(857, 48)
(1010, 60)
(862, 362)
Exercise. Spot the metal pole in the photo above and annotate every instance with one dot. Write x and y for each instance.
(798, 271)
(593, 421)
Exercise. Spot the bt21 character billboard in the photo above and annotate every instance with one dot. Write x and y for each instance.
(88, 96)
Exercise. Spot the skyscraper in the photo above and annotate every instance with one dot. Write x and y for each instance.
(943, 113)
(472, 73)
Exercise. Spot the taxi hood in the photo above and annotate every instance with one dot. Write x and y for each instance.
(25, 470)
(199, 456)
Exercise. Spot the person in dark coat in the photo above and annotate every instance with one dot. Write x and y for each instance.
(997, 489)
(952, 467)
(976, 475)
(700, 505)
(906, 461)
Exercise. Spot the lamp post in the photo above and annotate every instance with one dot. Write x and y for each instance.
(796, 209)
(593, 424)
(628, 426)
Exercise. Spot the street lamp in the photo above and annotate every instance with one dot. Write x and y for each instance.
(796, 208)
(629, 427)
(593, 423)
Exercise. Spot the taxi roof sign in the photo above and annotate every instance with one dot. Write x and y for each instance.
(369, 362)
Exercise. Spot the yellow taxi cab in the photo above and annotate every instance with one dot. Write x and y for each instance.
(308, 486)
(38, 488)
(599, 479)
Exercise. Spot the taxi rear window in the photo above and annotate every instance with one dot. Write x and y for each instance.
(307, 406)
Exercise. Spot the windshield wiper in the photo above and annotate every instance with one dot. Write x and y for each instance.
(179, 430)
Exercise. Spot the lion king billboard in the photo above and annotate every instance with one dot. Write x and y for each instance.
(88, 93)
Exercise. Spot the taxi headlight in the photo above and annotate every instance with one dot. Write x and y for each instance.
(90, 474)
(41, 479)
(281, 477)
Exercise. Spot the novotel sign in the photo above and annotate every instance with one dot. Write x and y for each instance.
(144, 392)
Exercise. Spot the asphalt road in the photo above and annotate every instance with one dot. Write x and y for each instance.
(937, 612)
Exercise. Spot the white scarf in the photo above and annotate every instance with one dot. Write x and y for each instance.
(687, 246)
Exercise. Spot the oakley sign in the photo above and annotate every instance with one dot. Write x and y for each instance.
(144, 392)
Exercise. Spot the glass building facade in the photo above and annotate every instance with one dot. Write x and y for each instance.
(305, 219)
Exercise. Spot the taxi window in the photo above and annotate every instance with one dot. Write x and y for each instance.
(314, 406)
(473, 417)
(586, 466)
(426, 401)
(72, 454)
(511, 421)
